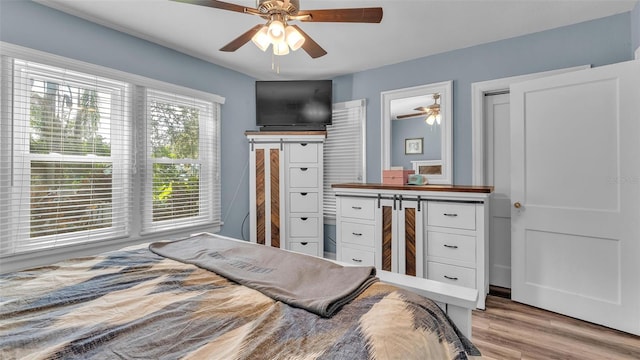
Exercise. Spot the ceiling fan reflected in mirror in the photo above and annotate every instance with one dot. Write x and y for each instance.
(432, 112)
(277, 31)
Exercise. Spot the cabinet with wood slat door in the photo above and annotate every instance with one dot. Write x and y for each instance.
(286, 170)
(439, 233)
(374, 235)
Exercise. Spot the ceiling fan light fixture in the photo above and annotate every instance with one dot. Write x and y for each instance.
(276, 31)
(433, 111)
(432, 118)
(261, 38)
(280, 48)
(293, 38)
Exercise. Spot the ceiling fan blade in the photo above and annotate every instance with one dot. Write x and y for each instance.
(221, 5)
(406, 116)
(358, 15)
(311, 47)
(432, 107)
(236, 43)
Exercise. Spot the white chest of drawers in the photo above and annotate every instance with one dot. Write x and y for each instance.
(286, 170)
(435, 232)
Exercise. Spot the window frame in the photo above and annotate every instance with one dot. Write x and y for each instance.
(207, 129)
(22, 158)
(135, 233)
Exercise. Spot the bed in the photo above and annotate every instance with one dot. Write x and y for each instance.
(162, 301)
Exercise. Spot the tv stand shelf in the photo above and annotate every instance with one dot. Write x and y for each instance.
(315, 132)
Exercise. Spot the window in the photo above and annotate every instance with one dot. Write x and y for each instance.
(179, 171)
(69, 163)
(64, 185)
(344, 151)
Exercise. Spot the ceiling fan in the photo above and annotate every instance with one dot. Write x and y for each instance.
(432, 112)
(277, 30)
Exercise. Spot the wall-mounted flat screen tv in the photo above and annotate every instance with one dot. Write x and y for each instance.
(293, 105)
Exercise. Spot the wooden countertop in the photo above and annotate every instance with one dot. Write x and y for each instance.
(443, 188)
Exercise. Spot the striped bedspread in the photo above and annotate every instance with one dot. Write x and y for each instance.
(134, 304)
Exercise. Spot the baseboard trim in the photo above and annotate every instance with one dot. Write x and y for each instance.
(500, 291)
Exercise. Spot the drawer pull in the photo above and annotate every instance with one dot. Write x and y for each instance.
(451, 278)
(452, 215)
(356, 260)
(304, 243)
(357, 234)
(356, 207)
(303, 194)
(305, 219)
(451, 246)
(303, 144)
(304, 169)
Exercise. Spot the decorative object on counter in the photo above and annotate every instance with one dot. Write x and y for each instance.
(417, 179)
(396, 176)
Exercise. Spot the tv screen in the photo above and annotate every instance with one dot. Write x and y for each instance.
(303, 104)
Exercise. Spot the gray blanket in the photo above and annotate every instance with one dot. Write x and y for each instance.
(310, 283)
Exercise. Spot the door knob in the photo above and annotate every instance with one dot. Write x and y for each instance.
(517, 205)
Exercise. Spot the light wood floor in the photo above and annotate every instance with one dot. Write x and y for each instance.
(509, 330)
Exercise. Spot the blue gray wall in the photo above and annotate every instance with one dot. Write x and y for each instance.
(597, 42)
(411, 129)
(38, 27)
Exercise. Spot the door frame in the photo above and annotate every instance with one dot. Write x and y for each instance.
(478, 121)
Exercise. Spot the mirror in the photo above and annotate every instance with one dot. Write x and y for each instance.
(417, 128)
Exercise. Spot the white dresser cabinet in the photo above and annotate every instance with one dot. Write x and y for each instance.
(286, 172)
(452, 242)
(356, 231)
(436, 232)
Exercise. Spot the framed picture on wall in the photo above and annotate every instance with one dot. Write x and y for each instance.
(413, 146)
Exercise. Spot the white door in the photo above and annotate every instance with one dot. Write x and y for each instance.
(575, 175)
(498, 175)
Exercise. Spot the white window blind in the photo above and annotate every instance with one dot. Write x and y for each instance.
(181, 185)
(71, 172)
(65, 145)
(344, 151)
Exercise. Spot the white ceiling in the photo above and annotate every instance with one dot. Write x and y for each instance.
(409, 29)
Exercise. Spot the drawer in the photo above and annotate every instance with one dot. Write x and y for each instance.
(303, 202)
(358, 208)
(451, 246)
(303, 153)
(451, 215)
(309, 248)
(303, 177)
(354, 233)
(304, 227)
(357, 256)
(451, 274)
